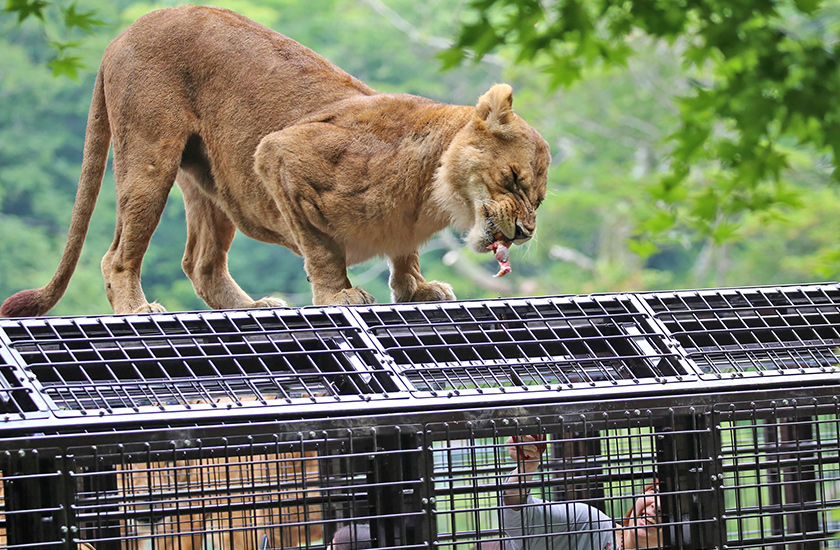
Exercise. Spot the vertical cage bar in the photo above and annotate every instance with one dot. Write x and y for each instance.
(394, 479)
(684, 461)
(796, 436)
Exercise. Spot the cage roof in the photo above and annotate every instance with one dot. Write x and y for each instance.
(314, 360)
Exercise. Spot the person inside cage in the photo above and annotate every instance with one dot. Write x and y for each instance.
(533, 524)
(355, 536)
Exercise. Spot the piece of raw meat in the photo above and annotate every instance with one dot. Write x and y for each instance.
(502, 255)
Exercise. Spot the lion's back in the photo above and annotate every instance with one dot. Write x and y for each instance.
(213, 60)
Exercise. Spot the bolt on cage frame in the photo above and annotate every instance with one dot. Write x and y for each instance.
(274, 428)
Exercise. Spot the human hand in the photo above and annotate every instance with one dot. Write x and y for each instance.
(641, 522)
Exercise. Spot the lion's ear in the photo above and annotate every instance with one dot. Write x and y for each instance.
(495, 107)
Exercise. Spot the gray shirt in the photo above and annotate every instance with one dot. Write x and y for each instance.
(540, 525)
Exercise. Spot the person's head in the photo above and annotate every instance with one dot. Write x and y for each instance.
(640, 528)
(355, 536)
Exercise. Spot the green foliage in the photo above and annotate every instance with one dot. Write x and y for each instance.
(26, 8)
(764, 73)
(59, 23)
(84, 20)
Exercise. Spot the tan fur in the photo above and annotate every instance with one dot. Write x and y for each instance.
(342, 173)
(229, 512)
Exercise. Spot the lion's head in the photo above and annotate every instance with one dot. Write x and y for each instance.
(493, 176)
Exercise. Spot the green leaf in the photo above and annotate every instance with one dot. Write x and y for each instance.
(61, 47)
(643, 248)
(659, 222)
(83, 20)
(808, 6)
(26, 8)
(480, 36)
(724, 231)
(451, 58)
(691, 143)
(787, 196)
(68, 65)
(670, 192)
(563, 70)
(619, 54)
(706, 205)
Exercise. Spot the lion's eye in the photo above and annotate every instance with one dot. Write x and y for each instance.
(513, 183)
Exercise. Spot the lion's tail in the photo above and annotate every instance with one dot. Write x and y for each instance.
(35, 302)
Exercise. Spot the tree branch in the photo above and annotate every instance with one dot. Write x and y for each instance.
(415, 35)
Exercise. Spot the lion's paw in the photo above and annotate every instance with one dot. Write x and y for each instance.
(153, 307)
(352, 297)
(433, 291)
(270, 301)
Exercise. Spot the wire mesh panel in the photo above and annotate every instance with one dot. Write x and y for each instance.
(754, 332)
(575, 483)
(18, 397)
(780, 474)
(531, 343)
(33, 491)
(746, 475)
(119, 366)
(246, 492)
(406, 422)
(757, 474)
(223, 497)
(122, 364)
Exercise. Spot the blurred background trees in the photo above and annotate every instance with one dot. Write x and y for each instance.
(691, 148)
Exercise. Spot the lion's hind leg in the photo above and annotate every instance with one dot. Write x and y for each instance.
(144, 174)
(210, 234)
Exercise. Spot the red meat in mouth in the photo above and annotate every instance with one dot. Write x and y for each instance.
(502, 255)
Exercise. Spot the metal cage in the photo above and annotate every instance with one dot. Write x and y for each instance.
(276, 428)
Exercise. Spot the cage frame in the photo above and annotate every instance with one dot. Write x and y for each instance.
(383, 401)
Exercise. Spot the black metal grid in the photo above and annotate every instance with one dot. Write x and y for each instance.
(605, 465)
(761, 474)
(124, 364)
(739, 465)
(240, 492)
(226, 495)
(780, 474)
(529, 343)
(754, 476)
(754, 331)
(18, 396)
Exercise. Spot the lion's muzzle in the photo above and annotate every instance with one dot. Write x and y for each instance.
(523, 232)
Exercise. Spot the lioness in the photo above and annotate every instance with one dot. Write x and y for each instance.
(264, 135)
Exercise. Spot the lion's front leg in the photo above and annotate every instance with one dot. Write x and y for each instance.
(408, 285)
(326, 267)
(289, 169)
